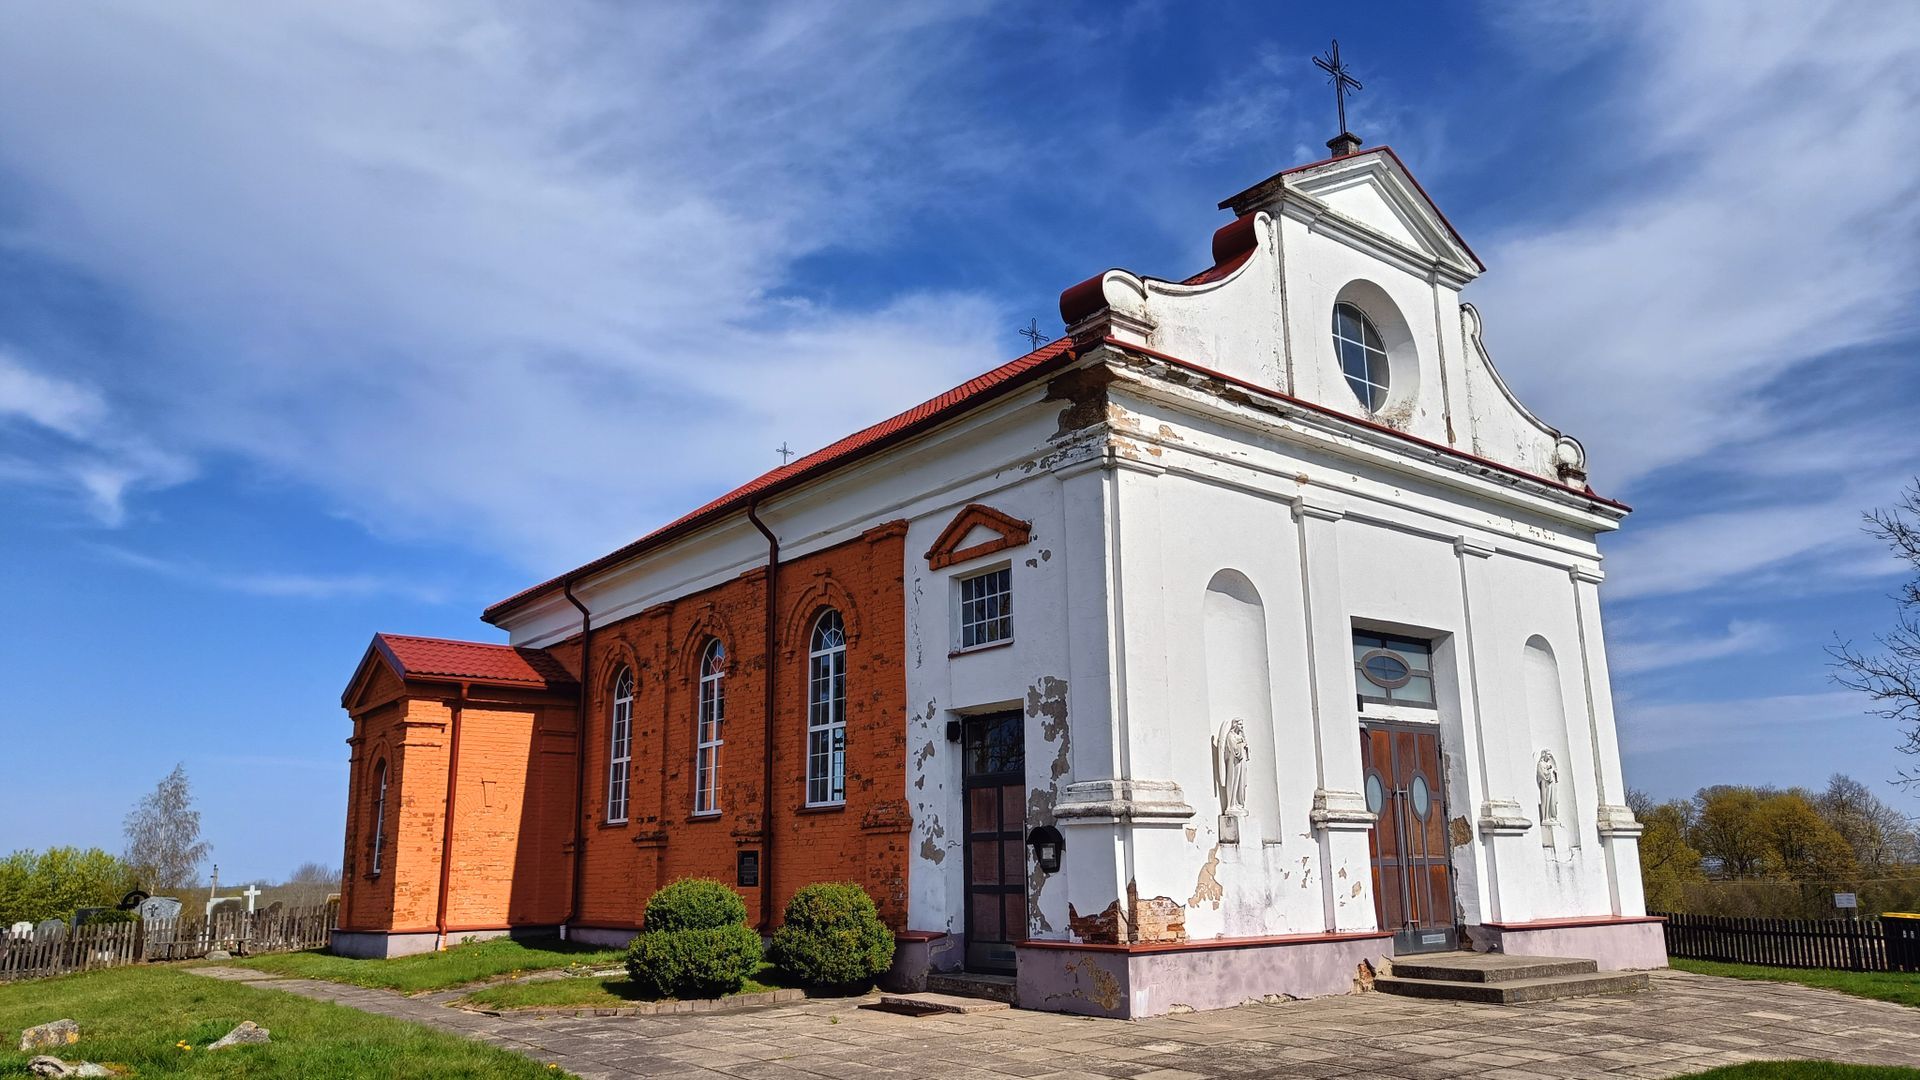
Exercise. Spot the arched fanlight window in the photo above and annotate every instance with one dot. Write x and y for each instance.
(379, 813)
(827, 711)
(707, 741)
(1363, 359)
(620, 747)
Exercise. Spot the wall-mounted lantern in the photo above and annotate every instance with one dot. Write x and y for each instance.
(954, 730)
(1047, 844)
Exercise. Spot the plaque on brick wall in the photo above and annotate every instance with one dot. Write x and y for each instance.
(746, 869)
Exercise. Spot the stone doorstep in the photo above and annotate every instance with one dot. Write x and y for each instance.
(975, 985)
(650, 1008)
(1488, 967)
(1515, 991)
(927, 1004)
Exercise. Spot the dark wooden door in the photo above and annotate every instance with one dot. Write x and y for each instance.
(995, 779)
(1412, 878)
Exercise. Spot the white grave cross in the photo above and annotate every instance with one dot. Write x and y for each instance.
(252, 893)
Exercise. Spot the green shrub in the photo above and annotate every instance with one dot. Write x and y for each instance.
(833, 936)
(696, 942)
(694, 904)
(694, 963)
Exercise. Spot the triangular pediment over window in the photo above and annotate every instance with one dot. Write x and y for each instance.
(975, 531)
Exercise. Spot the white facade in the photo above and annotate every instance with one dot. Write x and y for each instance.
(1213, 515)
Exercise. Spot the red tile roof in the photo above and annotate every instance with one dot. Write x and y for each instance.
(475, 661)
(921, 417)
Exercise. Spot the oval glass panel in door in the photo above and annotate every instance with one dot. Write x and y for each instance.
(1421, 797)
(1376, 794)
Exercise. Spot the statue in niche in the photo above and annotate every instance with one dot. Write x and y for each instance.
(1231, 755)
(1546, 773)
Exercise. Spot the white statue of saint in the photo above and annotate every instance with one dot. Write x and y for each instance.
(1547, 774)
(1231, 753)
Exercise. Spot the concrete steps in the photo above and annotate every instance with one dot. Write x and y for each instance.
(1500, 979)
(970, 984)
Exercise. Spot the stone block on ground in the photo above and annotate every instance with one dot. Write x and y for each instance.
(247, 1033)
(219, 954)
(56, 1033)
(47, 1065)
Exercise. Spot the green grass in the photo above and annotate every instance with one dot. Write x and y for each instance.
(457, 966)
(1901, 988)
(135, 1016)
(1805, 1070)
(593, 993)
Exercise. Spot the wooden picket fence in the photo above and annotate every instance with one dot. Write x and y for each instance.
(103, 945)
(1843, 944)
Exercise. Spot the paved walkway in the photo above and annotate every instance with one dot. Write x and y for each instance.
(1686, 1023)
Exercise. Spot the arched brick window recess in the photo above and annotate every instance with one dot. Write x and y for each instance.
(619, 746)
(710, 715)
(379, 816)
(827, 711)
(824, 593)
(976, 531)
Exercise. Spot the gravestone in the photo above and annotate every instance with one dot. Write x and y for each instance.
(158, 907)
(22, 929)
(54, 930)
(83, 916)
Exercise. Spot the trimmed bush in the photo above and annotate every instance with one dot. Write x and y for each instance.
(694, 904)
(833, 936)
(696, 942)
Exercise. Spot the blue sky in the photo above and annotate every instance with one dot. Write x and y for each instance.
(318, 319)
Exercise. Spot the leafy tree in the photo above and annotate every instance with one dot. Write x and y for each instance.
(1668, 864)
(313, 873)
(163, 835)
(1890, 675)
(53, 883)
(1724, 832)
(1799, 844)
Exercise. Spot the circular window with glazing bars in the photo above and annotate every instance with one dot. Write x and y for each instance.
(1363, 357)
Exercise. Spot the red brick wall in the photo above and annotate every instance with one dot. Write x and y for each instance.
(864, 841)
(513, 810)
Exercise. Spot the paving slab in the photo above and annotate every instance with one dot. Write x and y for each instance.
(1682, 1024)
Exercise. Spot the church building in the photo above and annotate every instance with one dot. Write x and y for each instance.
(1241, 639)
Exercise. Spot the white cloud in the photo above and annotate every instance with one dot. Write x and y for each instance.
(74, 444)
(277, 584)
(477, 271)
(1632, 652)
(1650, 727)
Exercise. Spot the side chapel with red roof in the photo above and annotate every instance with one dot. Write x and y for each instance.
(1242, 638)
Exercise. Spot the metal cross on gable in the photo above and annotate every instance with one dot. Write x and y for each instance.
(786, 453)
(1339, 75)
(1033, 333)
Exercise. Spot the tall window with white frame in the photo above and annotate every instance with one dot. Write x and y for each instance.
(827, 711)
(986, 608)
(712, 714)
(620, 747)
(379, 815)
(1363, 358)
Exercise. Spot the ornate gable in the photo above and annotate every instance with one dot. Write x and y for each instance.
(975, 531)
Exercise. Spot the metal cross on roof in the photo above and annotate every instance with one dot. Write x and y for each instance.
(1338, 75)
(786, 453)
(1032, 333)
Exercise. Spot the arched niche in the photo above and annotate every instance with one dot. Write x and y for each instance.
(1239, 685)
(1547, 730)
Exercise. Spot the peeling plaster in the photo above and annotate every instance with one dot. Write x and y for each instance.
(1048, 698)
(930, 848)
(1208, 887)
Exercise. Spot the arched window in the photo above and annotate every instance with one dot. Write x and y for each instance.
(1363, 358)
(713, 713)
(827, 711)
(379, 814)
(620, 748)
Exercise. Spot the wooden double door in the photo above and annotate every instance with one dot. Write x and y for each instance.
(1405, 787)
(994, 775)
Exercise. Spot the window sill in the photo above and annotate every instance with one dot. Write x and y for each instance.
(988, 647)
(709, 815)
(620, 824)
(820, 808)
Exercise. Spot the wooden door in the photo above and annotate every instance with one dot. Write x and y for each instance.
(1412, 878)
(995, 782)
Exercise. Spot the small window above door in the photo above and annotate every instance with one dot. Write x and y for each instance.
(1393, 670)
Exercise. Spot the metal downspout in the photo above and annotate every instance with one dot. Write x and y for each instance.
(579, 758)
(446, 831)
(766, 780)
